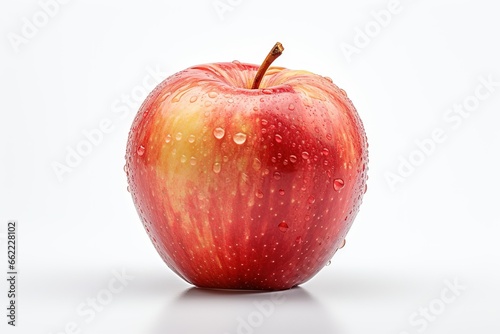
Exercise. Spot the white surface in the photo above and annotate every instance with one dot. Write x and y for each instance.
(440, 224)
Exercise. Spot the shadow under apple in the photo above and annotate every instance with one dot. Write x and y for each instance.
(226, 312)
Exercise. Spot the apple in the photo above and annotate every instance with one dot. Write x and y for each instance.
(247, 176)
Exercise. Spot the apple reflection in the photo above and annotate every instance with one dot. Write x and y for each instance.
(244, 312)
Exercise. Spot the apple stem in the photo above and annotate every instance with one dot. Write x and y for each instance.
(275, 52)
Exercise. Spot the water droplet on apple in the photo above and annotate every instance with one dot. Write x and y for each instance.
(183, 158)
(178, 136)
(293, 159)
(338, 184)
(267, 91)
(230, 100)
(263, 122)
(193, 98)
(212, 95)
(128, 188)
(259, 194)
(328, 79)
(208, 103)
(298, 239)
(178, 97)
(256, 164)
(343, 92)
(281, 192)
(239, 138)
(278, 138)
(140, 150)
(283, 227)
(237, 62)
(277, 175)
(366, 188)
(329, 263)
(305, 155)
(343, 244)
(291, 106)
(168, 139)
(192, 161)
(325, 152)
(311, 199)
(219, 133)
(216, 167)
(191, 139)
(164, 97)
(328, 136)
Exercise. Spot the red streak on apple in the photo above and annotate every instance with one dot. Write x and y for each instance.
(244, 188)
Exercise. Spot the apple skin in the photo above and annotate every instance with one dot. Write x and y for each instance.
(244, 188)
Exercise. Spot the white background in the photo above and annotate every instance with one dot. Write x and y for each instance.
(439, 224)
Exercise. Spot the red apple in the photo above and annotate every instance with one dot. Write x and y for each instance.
(247, 177)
